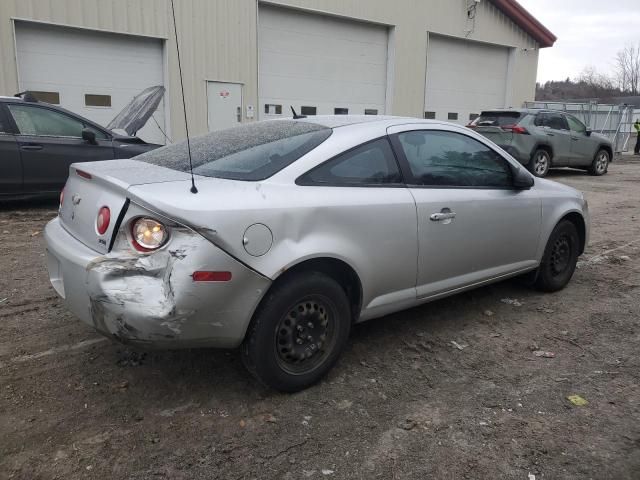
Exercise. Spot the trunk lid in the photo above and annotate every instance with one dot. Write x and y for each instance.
(497, 135)
(94, 185)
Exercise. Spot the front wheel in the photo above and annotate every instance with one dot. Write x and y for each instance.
(600, 163)
(540, 163)
(559, 259)
(298, 333)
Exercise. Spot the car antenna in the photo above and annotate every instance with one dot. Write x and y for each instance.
(296, 116)
(184, 105)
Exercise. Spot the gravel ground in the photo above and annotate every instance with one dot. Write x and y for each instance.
(404, 402)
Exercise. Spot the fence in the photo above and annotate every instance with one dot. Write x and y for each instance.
(613, 121)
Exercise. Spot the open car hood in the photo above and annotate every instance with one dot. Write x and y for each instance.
(138, 111)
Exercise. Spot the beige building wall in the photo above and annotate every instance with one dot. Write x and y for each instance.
(218, 40)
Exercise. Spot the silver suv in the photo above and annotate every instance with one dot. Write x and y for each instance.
(544, 139)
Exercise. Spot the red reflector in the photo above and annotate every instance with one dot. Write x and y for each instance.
(211, 276)
(62, 197)
(84, 174)
(102, 222)
(515, 129)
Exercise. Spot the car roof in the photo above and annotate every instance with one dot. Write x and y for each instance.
(339, 121)
(523, 110)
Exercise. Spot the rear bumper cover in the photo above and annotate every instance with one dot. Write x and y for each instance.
(151, 299)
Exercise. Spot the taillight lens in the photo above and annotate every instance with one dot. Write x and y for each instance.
(103, 220)
(148, 234)
(61, 197)
(516, 129)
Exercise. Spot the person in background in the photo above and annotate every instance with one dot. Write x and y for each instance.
(636, 151)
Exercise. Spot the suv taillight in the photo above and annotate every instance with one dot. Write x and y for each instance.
(515, 129)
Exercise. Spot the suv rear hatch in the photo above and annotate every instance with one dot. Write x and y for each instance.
(92, 186)
(499, 126)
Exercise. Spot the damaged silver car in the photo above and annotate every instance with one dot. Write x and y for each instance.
(300, 228)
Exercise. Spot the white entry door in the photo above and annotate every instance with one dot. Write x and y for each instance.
(225, 105)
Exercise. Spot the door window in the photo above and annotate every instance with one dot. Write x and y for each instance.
(438, 158)
(370, 164)
(41, 121)
(576, 126)
(557, 122)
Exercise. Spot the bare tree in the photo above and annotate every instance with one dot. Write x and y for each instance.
(628, 69)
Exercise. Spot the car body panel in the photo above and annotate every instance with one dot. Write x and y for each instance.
(380, 232)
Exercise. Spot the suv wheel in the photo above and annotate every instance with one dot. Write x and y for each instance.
(298, 333)
(540, 163)
(600, 163)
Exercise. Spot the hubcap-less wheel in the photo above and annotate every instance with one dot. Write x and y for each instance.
(560, 255)
(305, 336)
(541, 164)
(602, 162)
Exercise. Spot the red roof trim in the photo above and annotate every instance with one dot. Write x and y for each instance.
(526, 21)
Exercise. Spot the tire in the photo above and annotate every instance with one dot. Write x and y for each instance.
(600, 164)
(306, 315)
(540, 163)
(559, 259)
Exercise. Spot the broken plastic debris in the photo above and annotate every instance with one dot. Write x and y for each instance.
(459, 346)
(543, 354)
(531, 477)
(577, 400)
(327, 472)
(512, 301)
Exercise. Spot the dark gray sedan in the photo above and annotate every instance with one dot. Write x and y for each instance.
(39, 141)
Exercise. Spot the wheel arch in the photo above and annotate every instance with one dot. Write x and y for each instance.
(578, 221)
(606, 148)
(543, 146)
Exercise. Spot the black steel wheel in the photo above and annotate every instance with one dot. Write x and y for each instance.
(560, 258)
(298, 332)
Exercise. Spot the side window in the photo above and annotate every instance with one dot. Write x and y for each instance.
(370, 164)
(41, 121)
(557, 122)
(438, 158)
(576, 125)
(4, 128)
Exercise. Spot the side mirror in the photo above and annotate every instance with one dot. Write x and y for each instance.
(588, 132)
(522, 180)
(89, 136)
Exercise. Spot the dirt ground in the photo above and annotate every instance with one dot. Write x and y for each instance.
(404, 402)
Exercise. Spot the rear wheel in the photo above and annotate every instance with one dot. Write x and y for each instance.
(298, 333)
(540, 163)
(600, 163)
(559, 259)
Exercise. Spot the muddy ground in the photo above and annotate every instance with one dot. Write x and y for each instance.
(403, 403)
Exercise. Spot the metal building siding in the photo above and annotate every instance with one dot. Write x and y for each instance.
(219, 41)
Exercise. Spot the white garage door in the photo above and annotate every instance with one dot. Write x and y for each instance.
(93, 74)
(320, 64)
(463, 78)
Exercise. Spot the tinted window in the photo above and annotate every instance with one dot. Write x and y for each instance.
(576, 126)
(41, 121)
(498, 119)
(370, 164)
(452, 116)
(556, 121)
(252, 152)
(430, 115)
(308, 110)
(450, 159)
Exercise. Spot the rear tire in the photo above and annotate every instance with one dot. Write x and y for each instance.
(559, 259)
(600, 164)
(540, 163)
(298, 333)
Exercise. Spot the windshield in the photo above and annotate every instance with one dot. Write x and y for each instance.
(249, 152)
(498, 119)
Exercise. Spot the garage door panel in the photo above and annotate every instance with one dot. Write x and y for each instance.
(76, 62)
(464, 77)
(321, 61)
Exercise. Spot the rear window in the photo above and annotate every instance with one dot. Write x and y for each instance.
(249, 152)
(498, 119)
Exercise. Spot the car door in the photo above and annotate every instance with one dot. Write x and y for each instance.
(50, 141)
(583, 147)
(556, 129)
(10, 166)
(362, 203)
(473, 225)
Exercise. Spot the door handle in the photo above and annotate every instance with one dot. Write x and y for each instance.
(439, 217)
(550, 134)
(31, 147)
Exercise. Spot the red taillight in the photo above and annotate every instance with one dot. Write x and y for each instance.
(515, 129)
(62, 197)
(102, 222)
(83, 174)
(471, 125)
(211, 276)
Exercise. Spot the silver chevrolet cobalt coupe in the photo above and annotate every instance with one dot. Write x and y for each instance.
(300, 228)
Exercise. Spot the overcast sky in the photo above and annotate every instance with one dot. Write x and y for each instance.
(590, 32)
